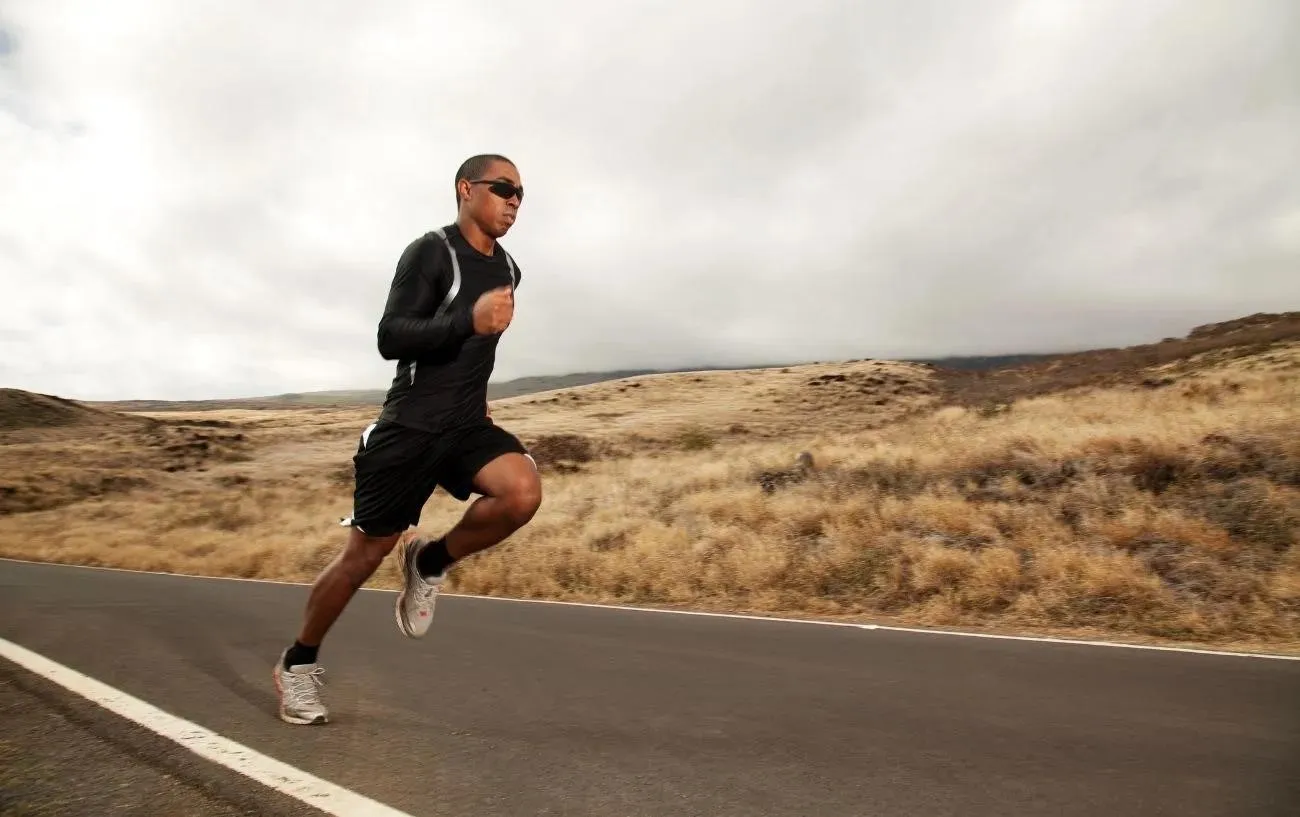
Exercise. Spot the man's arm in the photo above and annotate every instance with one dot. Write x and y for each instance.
(408, 329)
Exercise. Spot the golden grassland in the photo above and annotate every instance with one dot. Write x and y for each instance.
(1165, 513)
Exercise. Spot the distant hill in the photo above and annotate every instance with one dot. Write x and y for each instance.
(496, 391)
(21, 410)
(988, 375)
(1131, 365)
(363, 397)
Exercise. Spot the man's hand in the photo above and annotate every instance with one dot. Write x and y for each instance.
(493, 311)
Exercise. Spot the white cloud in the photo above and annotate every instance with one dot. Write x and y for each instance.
(208, 199)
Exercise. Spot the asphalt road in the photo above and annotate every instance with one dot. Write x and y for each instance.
(64, 756)
(529, 709)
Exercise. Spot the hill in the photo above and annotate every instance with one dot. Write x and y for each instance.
(56, 452)
(21, 410)
(1153, 365)
(1147, 493)
(497, 391)
(358, 397)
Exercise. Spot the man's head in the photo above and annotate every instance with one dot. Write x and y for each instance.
(488, 192)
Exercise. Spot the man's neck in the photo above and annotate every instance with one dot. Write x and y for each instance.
(475, 236)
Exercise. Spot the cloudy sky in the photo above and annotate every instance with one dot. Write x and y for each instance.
(208, 199)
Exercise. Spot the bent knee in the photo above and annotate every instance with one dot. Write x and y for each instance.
(522, 497)
(370, 549)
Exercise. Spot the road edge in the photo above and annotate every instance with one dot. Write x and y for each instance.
(812, 620)
(293, 782)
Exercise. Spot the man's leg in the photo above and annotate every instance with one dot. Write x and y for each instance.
(340, 581)
(296, 672)
(394, 477)
(511, 493)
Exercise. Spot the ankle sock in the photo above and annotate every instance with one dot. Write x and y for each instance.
(300, 653)
(433, 559)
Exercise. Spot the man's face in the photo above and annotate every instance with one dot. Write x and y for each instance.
(493, 198)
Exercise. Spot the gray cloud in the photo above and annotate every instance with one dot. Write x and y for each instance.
(210, 202)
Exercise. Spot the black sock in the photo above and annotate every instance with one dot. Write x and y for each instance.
(433, 559)
(300, 653)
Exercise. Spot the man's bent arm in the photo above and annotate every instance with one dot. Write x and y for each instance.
(407, 330)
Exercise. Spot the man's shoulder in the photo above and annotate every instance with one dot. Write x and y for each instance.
(426, 248)
(430, 238)
(447, 233)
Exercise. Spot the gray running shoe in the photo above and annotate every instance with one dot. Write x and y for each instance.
(299, 697)
(414, 605)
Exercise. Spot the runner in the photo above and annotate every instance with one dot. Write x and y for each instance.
(451, 298)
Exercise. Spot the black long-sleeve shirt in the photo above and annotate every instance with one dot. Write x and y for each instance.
(428, 328)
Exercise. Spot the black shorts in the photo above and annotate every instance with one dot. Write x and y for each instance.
(398, 468)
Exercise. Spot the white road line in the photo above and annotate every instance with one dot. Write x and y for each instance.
(320, 794)
(1079, 642)
(890, 628)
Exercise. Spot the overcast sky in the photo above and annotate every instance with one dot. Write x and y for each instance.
(208, 199)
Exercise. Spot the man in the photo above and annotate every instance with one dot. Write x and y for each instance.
(451, 298)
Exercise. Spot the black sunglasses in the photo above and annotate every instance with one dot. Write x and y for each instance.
(505, 190)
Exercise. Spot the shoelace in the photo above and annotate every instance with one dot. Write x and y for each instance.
(302, 687)
(424, 591)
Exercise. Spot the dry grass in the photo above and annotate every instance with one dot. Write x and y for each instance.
(1162, 512)
(1171, 513)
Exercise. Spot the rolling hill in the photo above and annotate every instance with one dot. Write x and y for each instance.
(497, 391)
(1148, 493)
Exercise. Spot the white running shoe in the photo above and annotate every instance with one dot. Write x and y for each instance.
(299, 697)
(414, 605)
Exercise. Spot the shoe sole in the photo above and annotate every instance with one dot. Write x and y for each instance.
(285, 716)
(404, 567)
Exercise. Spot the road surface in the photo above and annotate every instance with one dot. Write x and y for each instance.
(62, 755)
(511, 708)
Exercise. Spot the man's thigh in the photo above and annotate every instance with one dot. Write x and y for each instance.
(479, 446)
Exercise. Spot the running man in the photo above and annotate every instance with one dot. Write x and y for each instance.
(451, 298)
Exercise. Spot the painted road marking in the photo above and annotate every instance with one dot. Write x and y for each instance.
(315, 792)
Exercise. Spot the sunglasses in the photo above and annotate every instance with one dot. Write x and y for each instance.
(505, 190)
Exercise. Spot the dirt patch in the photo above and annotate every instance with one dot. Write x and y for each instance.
(562, 452)
(40, 492)
(867, 386)
(98, 461)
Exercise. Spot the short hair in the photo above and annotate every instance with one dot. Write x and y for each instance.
(473, 167)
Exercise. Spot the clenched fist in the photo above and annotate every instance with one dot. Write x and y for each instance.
(494, 310)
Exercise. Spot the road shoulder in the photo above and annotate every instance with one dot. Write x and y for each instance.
(63, 755)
